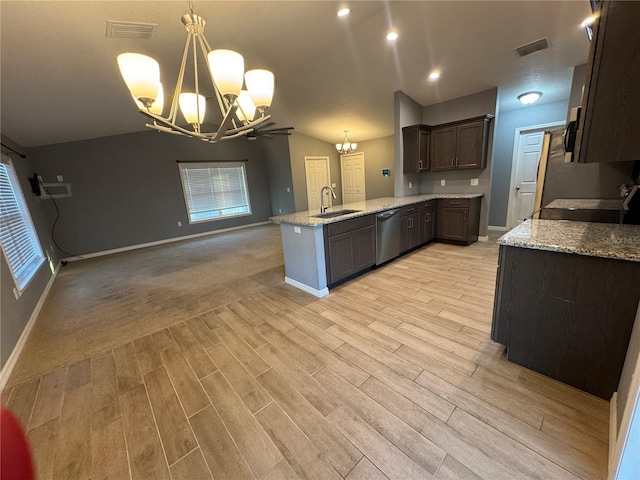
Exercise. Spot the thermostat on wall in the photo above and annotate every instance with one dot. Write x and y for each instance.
(386, 172)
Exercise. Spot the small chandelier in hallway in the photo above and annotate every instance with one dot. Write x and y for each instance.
(345, 146)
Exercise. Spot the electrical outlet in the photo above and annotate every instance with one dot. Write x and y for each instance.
(410, 185)
(443, 182)
(474, 182)
(288, 189)
(59, 178)
(279, 210)
(179, 224)
(296, 229)
(333, 185)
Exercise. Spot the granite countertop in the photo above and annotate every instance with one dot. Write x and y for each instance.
(607, 240)
(586, 204)
(367, 207)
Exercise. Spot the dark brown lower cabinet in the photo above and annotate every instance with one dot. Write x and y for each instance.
(350, 247)
(567, 316)
(426, 225)
(458, 220)
(409, 232)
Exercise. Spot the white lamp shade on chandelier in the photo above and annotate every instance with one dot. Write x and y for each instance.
(142, 76)
(227, 70)
(193, 107)
(247, 109)
(238, 107)
(260, 84)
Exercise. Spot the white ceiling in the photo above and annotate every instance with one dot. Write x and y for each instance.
(59, 78)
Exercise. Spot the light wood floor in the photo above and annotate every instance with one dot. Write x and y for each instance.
(392, 375)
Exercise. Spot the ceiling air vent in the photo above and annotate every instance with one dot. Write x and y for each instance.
(532, 47)
(119, 29)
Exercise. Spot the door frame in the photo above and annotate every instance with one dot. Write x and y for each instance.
(342, 173)
(315, 157)
(516, 143)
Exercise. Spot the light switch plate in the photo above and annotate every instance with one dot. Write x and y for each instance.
(288, 189)
(474, 182)
(296, 229)
(333, 185)
(410, 185)
(59, 178)
(443, 182)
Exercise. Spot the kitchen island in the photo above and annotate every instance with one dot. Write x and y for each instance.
(566, 298)
(320, 251)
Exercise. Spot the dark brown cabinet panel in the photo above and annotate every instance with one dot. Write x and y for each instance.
(565, 315)
(350, 247)
(460, 145)
(409, 231)
(443, 148)
(416, 148)
(610, 117)
(426, 226)
(458, 220)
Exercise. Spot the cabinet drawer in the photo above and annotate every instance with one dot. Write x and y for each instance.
(455, 202)
(352, 224)
(409, 209)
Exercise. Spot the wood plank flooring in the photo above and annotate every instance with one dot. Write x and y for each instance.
(392, 376)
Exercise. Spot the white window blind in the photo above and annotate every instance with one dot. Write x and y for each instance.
(17, 234)
(215, 190)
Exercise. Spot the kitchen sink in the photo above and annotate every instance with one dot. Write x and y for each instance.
(336, 213)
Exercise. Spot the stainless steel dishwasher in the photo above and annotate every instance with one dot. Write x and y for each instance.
(387, 236)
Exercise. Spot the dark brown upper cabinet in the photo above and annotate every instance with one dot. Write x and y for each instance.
(460, 145)
(610, 117)
(416, 148)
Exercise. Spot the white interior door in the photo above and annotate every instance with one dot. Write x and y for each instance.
(524, 176)
(353, 187)
(317, 173)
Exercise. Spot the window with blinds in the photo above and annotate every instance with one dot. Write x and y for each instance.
(215, 190)
(18, 237)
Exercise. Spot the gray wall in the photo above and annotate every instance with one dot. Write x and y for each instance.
(301, 146)
(505, 128)
(576, 180)
(15, 313)
(126, 189)
(276, 153)
(378, 154)
(406, 112)
(474, 105)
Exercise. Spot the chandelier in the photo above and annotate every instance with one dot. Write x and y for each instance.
(345, 146)
(226, 69)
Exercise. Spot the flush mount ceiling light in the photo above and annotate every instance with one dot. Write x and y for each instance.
(392, 36)
(434, 75)
(345, 146)
(529, 97)
(226, 71)
(343, 12)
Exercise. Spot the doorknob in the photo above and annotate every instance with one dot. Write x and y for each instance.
(517, 188)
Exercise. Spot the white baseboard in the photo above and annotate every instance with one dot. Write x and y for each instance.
(496, 228)
(161, 242)
(483, 239)
(306, 288)
(7, 369)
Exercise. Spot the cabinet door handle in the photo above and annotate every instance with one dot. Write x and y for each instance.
(410, 225)
(427, 217)
(452, 161)
(420, 165)
(465, 216)
(410, 209)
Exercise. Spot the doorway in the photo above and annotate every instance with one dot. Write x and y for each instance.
(353, 184)
(317, 175)
(527, 151)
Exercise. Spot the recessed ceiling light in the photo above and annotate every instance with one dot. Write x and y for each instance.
(529, 97)
(588, 21)
(343, 12)
(392, 36)
(434, 75)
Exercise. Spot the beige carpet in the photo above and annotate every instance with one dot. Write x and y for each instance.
(99, 303)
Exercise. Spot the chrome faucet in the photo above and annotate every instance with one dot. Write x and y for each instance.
(323, 208)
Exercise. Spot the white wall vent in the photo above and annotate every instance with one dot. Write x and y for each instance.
(532, 47)
(120, 29)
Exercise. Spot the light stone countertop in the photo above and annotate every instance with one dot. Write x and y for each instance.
(606, 240)
(586, 204)
(367, 207)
